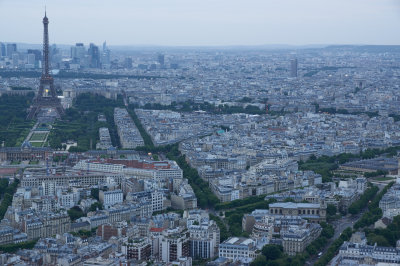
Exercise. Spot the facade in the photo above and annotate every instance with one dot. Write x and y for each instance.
(238, 248)
(311, 211)
(156, 198)
(202, 248)
(110, 198)
(137, 249)
(174, 244)
(361, 254)
(106, 231)
(390, 202)
(295, 240)
(204, 239)
(6, 235)
(30, 180)
(25, 152)
(46, 225)
(68, 199)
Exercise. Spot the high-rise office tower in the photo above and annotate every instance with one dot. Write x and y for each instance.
(30, 59)
(46, 96)
(94, 56)
(15, 60)
(161, 59)
(293, 68)
(78, 53)
(105, 57)
(11, 48)
(2, 49)
(128, 63)
(37, 54)
(105, 46)
(55, 56)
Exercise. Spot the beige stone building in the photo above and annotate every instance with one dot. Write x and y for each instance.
(310, 211)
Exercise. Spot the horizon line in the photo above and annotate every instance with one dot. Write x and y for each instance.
(275, 45)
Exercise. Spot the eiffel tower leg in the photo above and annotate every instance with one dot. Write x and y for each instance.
(60, 111)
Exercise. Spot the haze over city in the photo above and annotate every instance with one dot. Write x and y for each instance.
(212, 133)
(204, 23)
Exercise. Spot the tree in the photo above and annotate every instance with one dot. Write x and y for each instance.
(75, 213)
(261, 260)
(96, 206)
(94, 192)
(378, 239)
(331, 209)
(328, 231)
(272, 252)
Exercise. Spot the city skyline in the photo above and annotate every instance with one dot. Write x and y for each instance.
(194, 23)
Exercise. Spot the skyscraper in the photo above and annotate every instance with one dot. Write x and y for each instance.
(105, 57)
(94, 56)
(128, 63)
(105, 46)
(161, 59)
(11, 48)
(293, 68)
(78, 53)
(46, 96)
(37, 54)
(2, 49)
(15, 60)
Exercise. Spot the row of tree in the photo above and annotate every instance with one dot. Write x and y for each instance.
(357, 206)
(190, 106)
(239, 202)
(205, 197)
(331, 252)
(8, 191)
(148, 142)
(12, 248)
(318, 244)
(346, 112)
(374, 213)
(223, 231)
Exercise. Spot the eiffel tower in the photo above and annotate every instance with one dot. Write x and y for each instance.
(46, 96)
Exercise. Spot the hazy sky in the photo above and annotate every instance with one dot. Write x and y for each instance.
(203, 22)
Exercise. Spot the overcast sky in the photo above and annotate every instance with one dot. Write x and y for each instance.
(203, 22)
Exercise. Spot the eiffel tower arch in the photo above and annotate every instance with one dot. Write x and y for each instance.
(46, 96)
